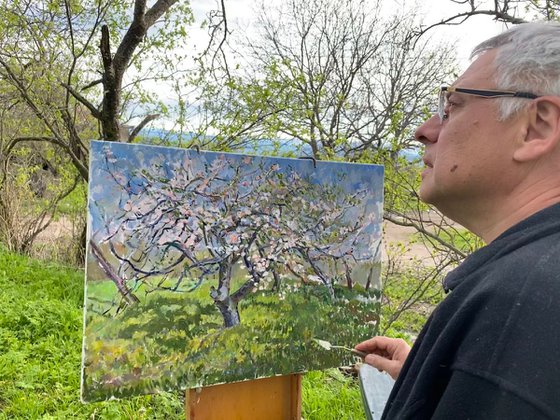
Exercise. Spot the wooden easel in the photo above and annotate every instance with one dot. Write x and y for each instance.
(276, 398)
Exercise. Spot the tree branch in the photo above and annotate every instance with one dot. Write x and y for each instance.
(500, 14)
(142, 21)
(94, 111)
(140, 126)
(80, 166)
(92, 84)
(422, 230)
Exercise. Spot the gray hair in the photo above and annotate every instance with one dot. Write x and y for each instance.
(528, 60)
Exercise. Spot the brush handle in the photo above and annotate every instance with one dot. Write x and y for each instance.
(356, 352)
(359, 353)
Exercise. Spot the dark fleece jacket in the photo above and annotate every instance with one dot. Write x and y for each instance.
(491, 349)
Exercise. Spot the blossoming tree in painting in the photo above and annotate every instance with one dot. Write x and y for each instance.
(200, 220)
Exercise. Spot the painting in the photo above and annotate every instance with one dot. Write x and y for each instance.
(206, 268)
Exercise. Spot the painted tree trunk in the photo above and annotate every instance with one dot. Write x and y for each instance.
(324, 279)
(277, 280)
(348, 275)
(229, 312)
(369, 277)
(127, 295)
(222, 298)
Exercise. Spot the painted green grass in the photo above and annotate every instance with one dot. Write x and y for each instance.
(171, 340)
(40, 356)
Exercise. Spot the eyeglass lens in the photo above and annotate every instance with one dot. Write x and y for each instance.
(442, 104)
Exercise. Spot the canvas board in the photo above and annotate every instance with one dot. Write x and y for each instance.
(206, 268)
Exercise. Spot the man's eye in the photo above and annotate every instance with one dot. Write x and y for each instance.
(451, 103)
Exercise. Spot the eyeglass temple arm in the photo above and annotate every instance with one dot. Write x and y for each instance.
(490, 93)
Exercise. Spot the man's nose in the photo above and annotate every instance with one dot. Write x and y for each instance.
(429, 131)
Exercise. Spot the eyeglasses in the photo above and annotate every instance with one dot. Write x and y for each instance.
(488, 94)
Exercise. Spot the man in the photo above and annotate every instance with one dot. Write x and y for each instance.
(491, 349)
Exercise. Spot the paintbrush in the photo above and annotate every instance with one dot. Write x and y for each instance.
(328, 346)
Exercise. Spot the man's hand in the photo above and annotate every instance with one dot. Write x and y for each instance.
(386, 354)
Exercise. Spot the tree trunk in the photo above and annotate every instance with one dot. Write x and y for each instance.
(272, 268)
(370, 275)
(80, 253)
(111, 91)
(324, 279)
(277, 280)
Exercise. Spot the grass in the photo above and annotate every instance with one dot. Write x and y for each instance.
(331, 395)
(40, 356)
(40, 348)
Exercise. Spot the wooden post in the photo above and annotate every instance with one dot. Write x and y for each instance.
(276, 398)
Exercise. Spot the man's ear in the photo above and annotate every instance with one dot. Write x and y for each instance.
(543, 129)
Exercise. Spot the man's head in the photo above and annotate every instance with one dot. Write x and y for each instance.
(492, 158)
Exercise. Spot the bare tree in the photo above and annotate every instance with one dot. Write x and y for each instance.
(33, 180)
(71, 71)
(334, 78)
